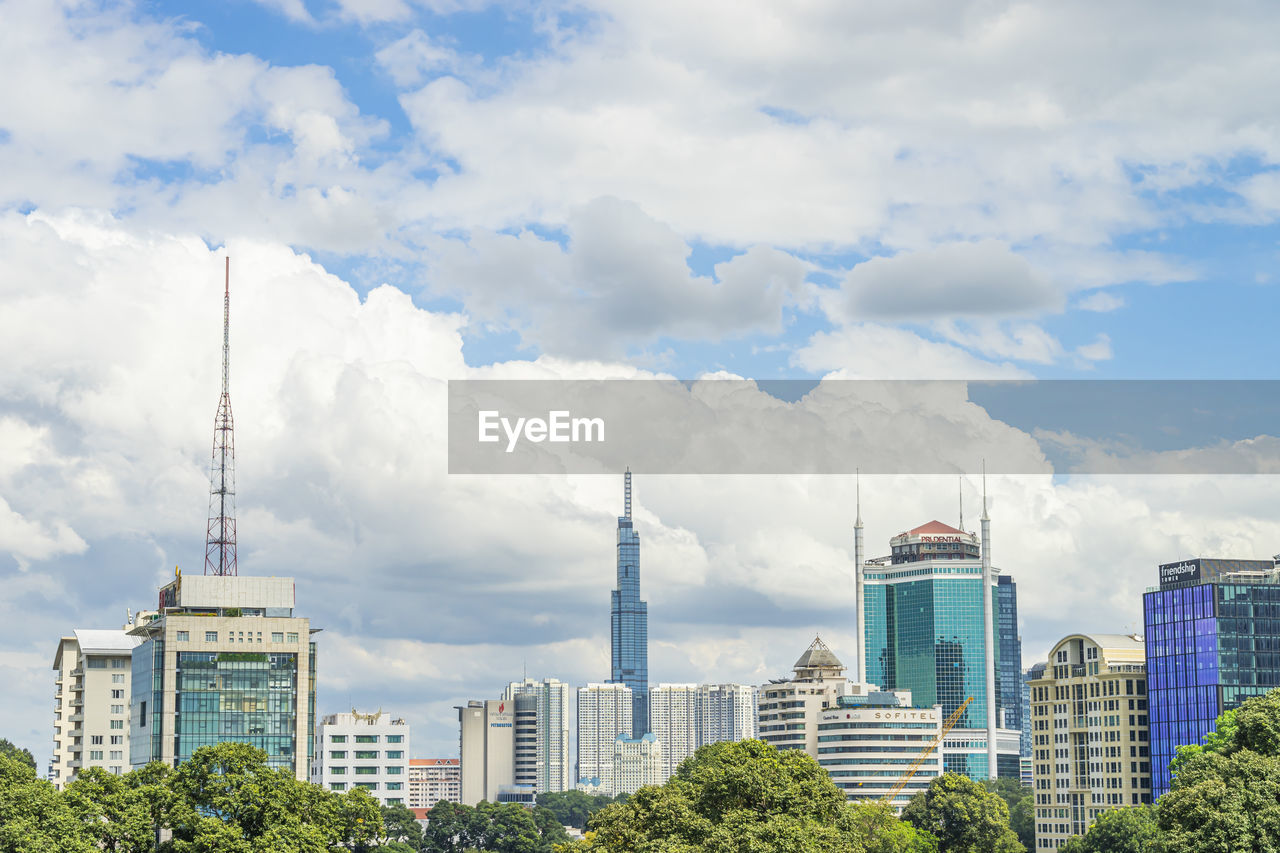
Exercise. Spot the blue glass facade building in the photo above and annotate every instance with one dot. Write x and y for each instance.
(629, 622)
(1009, 684)
(1213, 640)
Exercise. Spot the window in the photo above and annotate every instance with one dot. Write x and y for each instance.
(117, 663)
(117, 754)
(293, 636)
(338, 739)
(183, 636)
(368, 786)
(366, 771)
(395, 739)
(96, 740)
(96, 663)
(394, 786)
(277, 636)
(366, 753)
(337, 786)
(117, 694)
(338, 771)
(117, 709)
(338, 753)
(117, 724)
(117, 740)
(366, 738)
(142, 715)
(211, 636)
(395, 753)
(394, 801)
(117, 679)
(95, 755)
(395, 770)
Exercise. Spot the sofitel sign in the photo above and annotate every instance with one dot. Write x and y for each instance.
(1171, 573)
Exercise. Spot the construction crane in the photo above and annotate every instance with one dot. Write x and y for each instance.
(924, 754)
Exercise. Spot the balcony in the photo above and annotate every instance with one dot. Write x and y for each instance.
(76, 718)
(78, 672)
(75, 747)
(74, 764)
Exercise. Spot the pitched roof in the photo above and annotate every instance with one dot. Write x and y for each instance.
(818, 655)
(935, 527)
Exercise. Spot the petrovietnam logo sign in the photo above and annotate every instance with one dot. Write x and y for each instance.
(559, 426)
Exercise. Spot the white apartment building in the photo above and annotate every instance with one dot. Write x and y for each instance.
(790, 710)
(91, 703)
(432, 780)
(542, 751)
(637, 762)
(369, 751)
(726, 712)
(673, 719)
(604, 712)
(486, 741)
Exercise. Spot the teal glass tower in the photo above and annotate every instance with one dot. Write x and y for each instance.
(629, 621)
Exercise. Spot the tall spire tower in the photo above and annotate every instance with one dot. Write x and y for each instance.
(629, 620)
(859, 600)
(988, 630)
(220, 541)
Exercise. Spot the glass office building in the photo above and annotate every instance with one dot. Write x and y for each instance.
(225, 661)
(1009, 684)
(1213, 640)
(629, 622)
(923, 633)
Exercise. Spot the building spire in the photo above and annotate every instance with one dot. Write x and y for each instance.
(961, 481)
(626, 495)
(859, 604)
(985, 517)
(220, 538)
(857, 500)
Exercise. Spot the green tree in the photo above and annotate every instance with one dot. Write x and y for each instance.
(1225, 795)
(34, 818)
(117, 816)
(399, 824)
(1127, 830)
(229, 801)
(573, 808)
(1022, 809)
(446, 830)
(964, 816)
(16, 752)
(748, 796)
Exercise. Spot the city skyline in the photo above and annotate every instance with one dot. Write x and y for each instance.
(412, 195)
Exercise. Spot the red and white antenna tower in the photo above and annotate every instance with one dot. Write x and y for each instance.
(220, 543)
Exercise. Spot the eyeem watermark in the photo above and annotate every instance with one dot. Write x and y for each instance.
(559, 426)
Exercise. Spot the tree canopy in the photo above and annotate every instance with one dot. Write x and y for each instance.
(964, 816)
(493, 828)
(1022, 809)
(16, 752)
(748, 796)
(1126, 830)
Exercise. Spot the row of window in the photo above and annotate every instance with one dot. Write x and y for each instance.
(393, 770)
(212, 636)
(366, 753)
(116, 740)
(366, 738)
(368, 786)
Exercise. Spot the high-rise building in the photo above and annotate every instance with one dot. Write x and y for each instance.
(629, 621)
(1009, 676)
(637, 762)
(545, 759)
(929, 626)
(1210, 639)
(432, 780)
(369, 751)
(1089, 734)
(226, 659)
(604, 712)
(726, 712)
(1033, 672)
(673, 718)
(486, 742)
(866, 741)
(91, 712)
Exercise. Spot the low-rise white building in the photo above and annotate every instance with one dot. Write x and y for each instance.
(369, 751)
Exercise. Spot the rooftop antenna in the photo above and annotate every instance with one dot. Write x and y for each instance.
(627, 495)
(220, 539)
(961, 482)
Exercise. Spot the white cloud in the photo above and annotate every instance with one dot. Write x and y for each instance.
(1100, 301)
(870, 351)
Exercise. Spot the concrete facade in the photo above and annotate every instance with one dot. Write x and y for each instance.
(369, 751)
(91, 703)
(487, 749)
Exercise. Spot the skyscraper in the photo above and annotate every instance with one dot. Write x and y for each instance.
(929, 627)
(550, 752)
(673, 718)
(1210, 638)
(1009, 676)
(604, 712)
(486, 749)
(726, 712)
(629, 621)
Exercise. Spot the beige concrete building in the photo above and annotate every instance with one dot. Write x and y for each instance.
(637, 762)
(604, 712)
(369, 751)
(487, 748)
(673, 718)
(432, 780)
(789, 710)
(91, 703)
(1089, 734)
(225, 660)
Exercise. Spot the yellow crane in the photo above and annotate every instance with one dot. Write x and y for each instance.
(924, 754)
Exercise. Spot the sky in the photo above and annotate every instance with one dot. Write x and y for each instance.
(414, 191)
